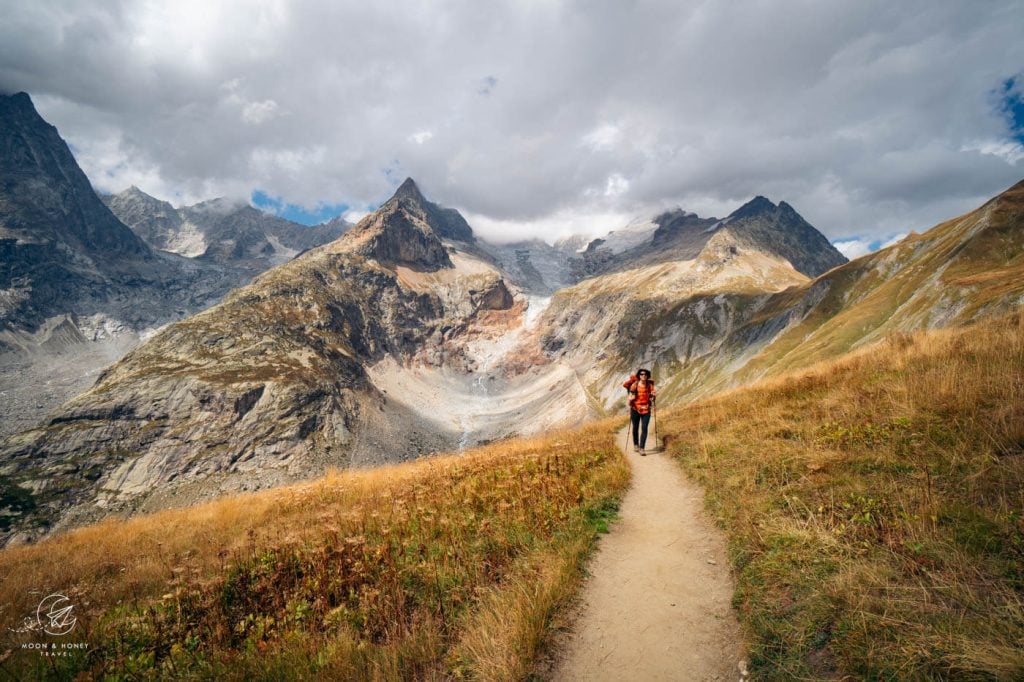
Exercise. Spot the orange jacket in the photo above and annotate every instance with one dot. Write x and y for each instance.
(641, 396)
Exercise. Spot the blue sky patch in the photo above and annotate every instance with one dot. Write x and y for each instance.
(1012, 106)
(298, 214)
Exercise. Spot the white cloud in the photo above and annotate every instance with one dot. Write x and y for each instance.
(421, 136)
(604, 137)
(1009, 151)
(856, 247)
(258, 112)
(549, 228)
(864, 115)
(616, 185)
(853, 248)
(354, 216)
(892, 240)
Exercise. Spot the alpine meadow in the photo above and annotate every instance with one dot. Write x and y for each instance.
(620, 341)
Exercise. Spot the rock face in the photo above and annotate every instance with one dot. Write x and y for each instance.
(782, 231)
(57, 239)
(62, 251)
(404, 232)
(156, 222)
(448, 223)
(266, 387)
(535, 265)
(46, 197)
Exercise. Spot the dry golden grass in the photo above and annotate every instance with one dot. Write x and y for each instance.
(445, 566)
(875, 507)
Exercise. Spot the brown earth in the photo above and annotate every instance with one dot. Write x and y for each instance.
(657, 604)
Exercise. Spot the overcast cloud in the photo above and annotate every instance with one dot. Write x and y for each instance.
(536, 118)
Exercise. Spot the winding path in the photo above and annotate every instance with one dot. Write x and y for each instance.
(657, 604)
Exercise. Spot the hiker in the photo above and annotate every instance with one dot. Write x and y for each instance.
(641, 400)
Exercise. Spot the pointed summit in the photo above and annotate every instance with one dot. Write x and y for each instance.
(18, 104)
(759, 205)
(409, 190)
(780, 230)
(46, 196)
(447, 223)
(401, 232)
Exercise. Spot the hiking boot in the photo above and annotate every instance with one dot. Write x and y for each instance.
(642, 453)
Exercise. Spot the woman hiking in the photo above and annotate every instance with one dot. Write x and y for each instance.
(641, 400)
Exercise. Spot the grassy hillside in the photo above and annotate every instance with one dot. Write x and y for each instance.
(449, 566)
(874, 507)
(961, 270)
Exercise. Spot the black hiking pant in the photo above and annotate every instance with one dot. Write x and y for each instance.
(640, 422)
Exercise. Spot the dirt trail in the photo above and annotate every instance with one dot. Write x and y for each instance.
(657, 605)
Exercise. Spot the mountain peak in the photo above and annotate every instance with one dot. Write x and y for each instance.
(409, 190)
(759, 205)
(782, 231)
(447, 223)
(21, 100)
(135, 193)
(47, 196)
(18, 101)
(406, 230)
(19, 111)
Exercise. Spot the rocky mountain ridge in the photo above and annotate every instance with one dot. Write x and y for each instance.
(219, 231)
(704, 339)
(57, 240)
(670, 236)
(63, 253)
(77, 287)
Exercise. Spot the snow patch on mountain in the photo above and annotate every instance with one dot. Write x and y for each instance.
(635, 233)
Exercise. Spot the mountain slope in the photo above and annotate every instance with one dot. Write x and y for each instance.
(57, 239)
(271, 384)
(678, 235)
(703, 339)
(438, 567)
(64, 255)
(959, 271)
(878, 536)
(674, 294)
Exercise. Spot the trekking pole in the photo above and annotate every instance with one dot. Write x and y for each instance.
(654, 418)
(629, 428)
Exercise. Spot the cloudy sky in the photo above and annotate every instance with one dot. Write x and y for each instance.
(536, 118)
